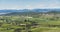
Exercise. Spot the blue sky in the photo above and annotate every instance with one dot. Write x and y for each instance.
(29, 4)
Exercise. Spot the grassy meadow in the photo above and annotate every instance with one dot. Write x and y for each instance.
(43, 23)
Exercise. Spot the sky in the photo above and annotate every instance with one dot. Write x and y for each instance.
(29, 4)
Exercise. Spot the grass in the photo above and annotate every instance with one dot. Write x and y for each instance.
(42, 27)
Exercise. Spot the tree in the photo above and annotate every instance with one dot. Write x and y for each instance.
(17, 30)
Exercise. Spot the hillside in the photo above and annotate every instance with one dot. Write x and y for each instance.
(29, 12)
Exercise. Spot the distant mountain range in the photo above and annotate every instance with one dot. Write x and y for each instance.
(28, 11)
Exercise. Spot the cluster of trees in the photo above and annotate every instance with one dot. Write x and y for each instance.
(24, 24)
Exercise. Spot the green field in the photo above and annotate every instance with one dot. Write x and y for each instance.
(29, 24)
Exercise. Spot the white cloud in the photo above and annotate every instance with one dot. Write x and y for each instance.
(54, 5)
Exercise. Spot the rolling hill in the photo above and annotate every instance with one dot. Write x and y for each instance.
(29, 12)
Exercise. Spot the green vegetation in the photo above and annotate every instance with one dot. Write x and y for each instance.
(36, 23)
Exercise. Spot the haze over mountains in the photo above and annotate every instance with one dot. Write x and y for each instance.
(28, 11)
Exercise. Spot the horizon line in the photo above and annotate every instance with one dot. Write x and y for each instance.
(28, 8)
